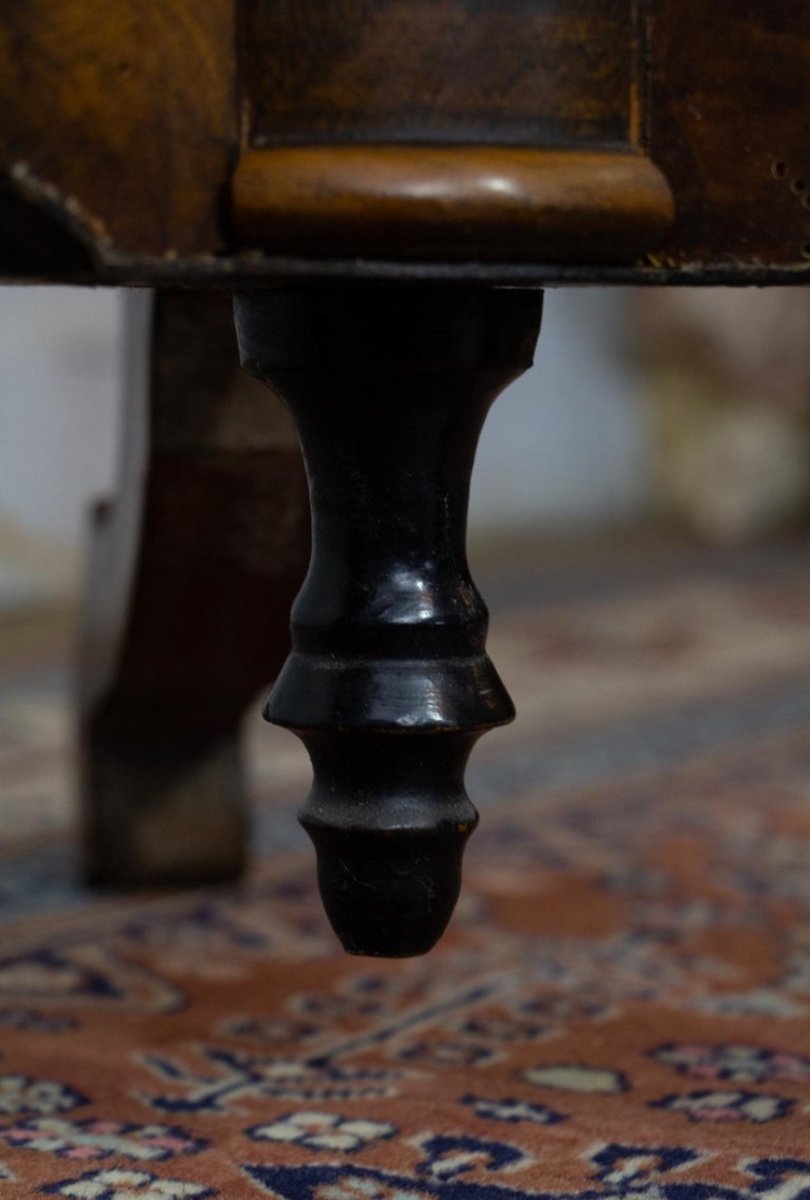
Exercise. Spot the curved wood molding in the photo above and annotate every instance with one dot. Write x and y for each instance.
(449, 203)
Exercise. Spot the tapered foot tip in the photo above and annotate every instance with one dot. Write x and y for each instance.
(389, 894)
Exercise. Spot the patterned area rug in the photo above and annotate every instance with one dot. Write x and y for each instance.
(621, 1007)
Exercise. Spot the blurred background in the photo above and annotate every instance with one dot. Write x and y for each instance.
(639, 530)
(680, 411)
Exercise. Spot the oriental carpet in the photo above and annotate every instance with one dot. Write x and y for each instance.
(621, 1007)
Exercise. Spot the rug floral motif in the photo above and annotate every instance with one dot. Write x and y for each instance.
(621, 1008)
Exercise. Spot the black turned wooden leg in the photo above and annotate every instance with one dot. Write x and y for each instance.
(388, 684)
(193, 568)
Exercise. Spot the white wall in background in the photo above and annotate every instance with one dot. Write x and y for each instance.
(59, 388)
(565, 443)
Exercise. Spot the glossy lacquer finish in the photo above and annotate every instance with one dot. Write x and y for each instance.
(388, 684)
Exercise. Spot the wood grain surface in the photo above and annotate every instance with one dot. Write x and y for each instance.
(515, 72)
(119, 118)
(729, 116)
(121, 126)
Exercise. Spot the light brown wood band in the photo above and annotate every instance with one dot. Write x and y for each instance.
(450, 203)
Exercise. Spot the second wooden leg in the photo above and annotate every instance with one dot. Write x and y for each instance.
(193, 568)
